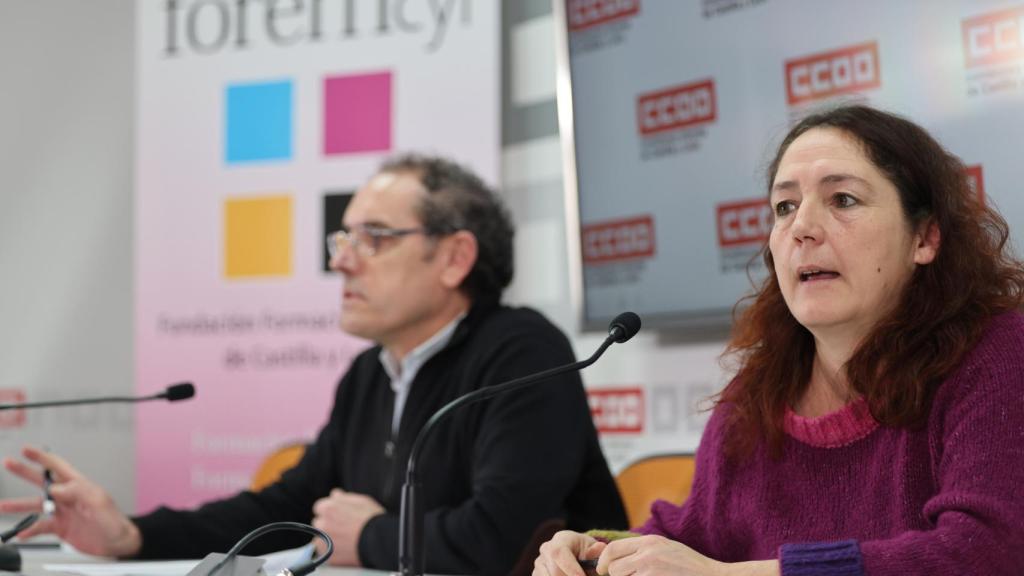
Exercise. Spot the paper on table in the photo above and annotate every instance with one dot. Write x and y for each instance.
(275, 563)
(163, 568)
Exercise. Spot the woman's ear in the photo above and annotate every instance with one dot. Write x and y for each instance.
(928, 239)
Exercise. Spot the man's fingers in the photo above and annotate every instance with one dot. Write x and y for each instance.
(321, 506)
(41, 526)
(60, 467)
(21, 505)
(28, 473)
(68, 494)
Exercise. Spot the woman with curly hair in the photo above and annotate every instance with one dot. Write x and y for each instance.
(875, 424)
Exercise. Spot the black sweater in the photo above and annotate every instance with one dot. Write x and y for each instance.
(490, 474)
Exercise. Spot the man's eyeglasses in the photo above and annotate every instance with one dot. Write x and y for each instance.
(366, 240)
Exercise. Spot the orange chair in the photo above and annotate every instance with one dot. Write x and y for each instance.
(664, 477)
(280, 460)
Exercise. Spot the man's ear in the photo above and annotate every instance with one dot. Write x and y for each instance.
(928, 239)
(459, 255)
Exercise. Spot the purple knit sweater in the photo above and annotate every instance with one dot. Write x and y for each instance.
(851, 497)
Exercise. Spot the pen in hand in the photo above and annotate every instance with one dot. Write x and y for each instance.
(21, 525)
(49, 506)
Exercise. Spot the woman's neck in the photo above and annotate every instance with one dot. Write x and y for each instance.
(828, 389)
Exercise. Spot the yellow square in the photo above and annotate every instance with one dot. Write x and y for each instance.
(258, 236)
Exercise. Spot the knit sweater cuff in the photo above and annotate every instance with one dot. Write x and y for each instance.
(821, 558)
(610, 535)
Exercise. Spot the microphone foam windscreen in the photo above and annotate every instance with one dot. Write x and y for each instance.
(628, 324)
(181, 391)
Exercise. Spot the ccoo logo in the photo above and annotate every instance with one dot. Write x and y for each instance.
(12, 418)
(617, 410)
(994, 38)
(586, 13)
(618, 240)
(842, 71)
(976, 180)
(742, 223)
(676, 108)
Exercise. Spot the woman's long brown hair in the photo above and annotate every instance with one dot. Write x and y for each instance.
(940, 315)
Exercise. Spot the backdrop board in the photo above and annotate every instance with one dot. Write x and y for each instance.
(670, 112)
(255, 122)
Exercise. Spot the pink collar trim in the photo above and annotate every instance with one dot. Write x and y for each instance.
(840, 428)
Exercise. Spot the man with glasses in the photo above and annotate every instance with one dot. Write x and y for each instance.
(425, 251)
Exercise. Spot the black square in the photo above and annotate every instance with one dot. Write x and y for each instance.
(335, 204)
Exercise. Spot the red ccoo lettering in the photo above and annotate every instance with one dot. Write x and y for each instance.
(842, 71)
(676, 108)
(617, 410)
(994, 38)
(586, 13)
(746, 222)
(618, 240)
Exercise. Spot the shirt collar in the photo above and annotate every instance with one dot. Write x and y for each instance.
(404, 371)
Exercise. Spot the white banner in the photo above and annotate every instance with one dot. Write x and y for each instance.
(255, 120)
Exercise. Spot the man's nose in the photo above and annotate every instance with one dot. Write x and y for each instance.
(344, 260)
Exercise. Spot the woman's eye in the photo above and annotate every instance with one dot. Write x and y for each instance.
(784, 207)
(844, 200)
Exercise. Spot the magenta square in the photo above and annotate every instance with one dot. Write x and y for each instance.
(357, 113)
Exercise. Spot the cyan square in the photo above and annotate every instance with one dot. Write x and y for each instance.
(259, 122)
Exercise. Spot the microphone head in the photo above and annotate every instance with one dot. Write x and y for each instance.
(624, 327)
(180, 391)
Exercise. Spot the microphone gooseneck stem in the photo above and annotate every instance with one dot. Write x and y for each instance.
(410, 535)
(102, 400)
(173, 393)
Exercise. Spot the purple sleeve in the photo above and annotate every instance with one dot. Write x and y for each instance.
(821, 559)
(977, 513)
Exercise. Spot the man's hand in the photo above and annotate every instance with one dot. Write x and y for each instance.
(86, 516)
(342, 515)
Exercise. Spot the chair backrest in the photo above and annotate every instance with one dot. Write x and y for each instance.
(275, 464)
(664, 477)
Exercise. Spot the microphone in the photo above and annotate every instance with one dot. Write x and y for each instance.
(10, 557)
(173, 393)
(410, 535)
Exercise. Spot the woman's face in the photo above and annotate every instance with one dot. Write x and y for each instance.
(842, 247)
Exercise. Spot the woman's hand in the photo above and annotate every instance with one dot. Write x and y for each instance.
(655, 556)
(560, 556)
(659, 556)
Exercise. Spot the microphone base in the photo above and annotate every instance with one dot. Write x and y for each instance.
(10, 558)
(237, 566)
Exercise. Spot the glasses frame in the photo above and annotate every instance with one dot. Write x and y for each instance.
(370, 245)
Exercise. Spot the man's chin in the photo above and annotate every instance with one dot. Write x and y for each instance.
(353, 327)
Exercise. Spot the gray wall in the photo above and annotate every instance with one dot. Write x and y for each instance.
(66, 130)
